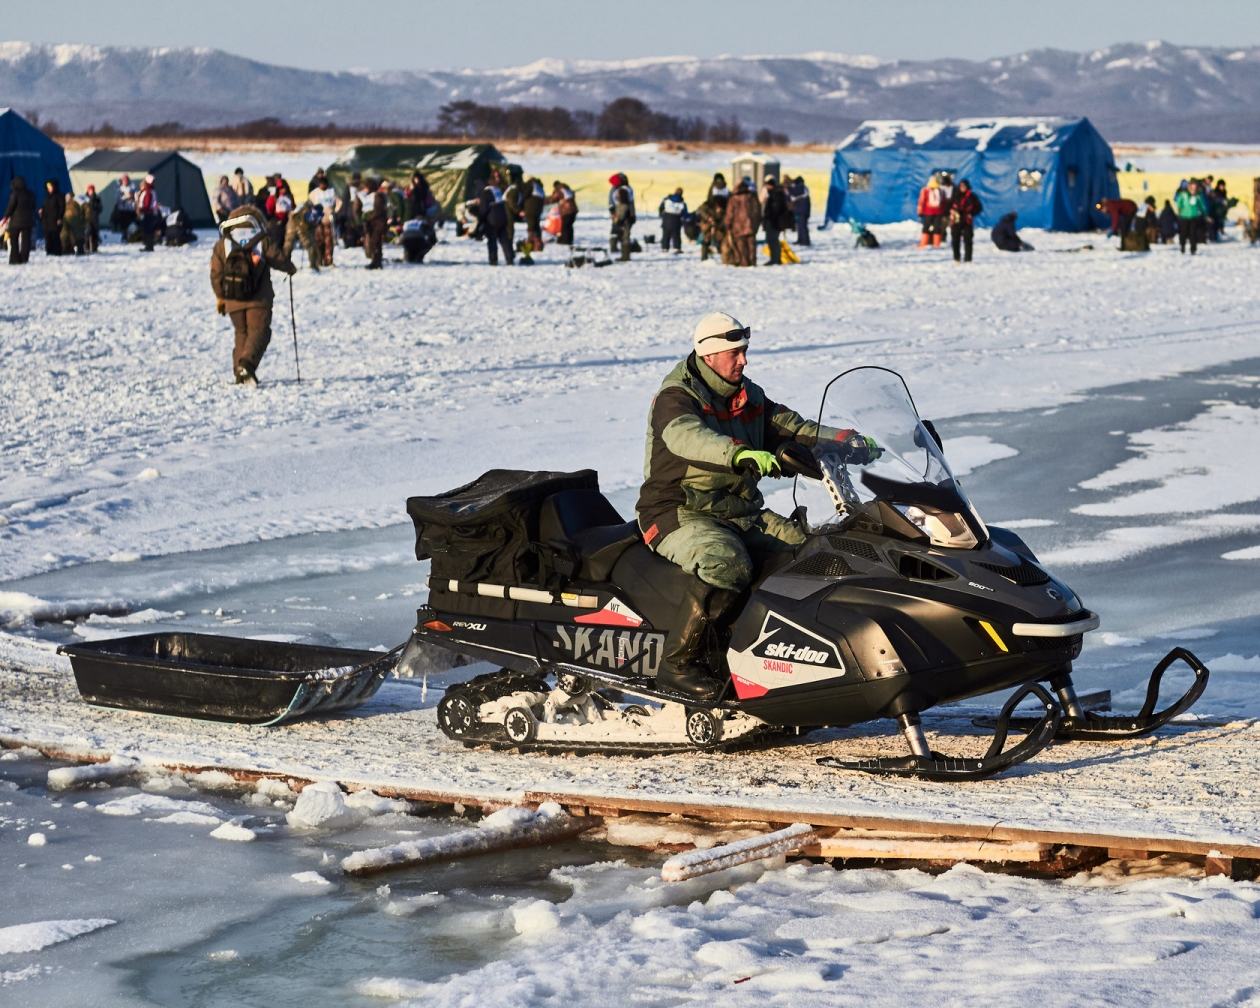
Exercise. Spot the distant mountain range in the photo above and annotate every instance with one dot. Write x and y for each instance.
(1138, 91)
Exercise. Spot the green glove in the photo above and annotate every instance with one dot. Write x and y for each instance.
(862, 450)
(767, 464)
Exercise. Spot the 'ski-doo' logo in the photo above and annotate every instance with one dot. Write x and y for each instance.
(782, 644)
(1053, 594)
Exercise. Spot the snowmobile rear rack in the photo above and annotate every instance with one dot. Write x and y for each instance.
(927, 765)
(1079, 725)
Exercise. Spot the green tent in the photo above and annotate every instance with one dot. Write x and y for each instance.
(453, 170)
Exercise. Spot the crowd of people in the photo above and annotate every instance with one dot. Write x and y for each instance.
(1196, 214)
(71, 224)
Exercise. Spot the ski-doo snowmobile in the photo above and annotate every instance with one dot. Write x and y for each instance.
(900, 600)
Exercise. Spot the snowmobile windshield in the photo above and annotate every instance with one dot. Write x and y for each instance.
(875, 449)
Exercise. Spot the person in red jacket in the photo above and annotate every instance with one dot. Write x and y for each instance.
(964, 207)
(1121, 212)
(932, 207)
(147, 211)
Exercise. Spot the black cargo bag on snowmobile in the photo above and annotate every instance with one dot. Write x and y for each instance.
(486, 530)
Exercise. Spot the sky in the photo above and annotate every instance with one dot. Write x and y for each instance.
(494, 33)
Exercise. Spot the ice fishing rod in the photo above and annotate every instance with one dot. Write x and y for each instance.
(293, 319)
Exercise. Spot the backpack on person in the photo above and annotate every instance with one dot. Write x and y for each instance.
(239, 280)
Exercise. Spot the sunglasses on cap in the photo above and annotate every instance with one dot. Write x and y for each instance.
(733, 336)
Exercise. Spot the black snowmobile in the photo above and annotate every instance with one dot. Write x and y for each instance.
(901, 600)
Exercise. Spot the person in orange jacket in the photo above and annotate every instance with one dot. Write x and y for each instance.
(932, 207)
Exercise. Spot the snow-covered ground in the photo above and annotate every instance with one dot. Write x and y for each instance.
(122, 439)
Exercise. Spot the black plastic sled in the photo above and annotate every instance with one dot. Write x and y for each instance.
(212, 678)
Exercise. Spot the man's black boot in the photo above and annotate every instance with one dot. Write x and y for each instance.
(686, 647)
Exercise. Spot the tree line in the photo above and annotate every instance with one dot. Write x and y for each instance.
(621, 119)
(624, 119)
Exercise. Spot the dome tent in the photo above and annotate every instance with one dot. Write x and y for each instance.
(26, 151)
(1050, 171)
(179, 183)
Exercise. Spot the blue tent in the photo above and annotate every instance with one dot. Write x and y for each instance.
(26, 151)
(1050, 171)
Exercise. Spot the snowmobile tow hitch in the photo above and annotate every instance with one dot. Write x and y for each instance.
(1078, 725)
(925, 764)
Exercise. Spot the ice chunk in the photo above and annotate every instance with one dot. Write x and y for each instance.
(394, 988)
(68, 777)
(536, 917)
(323, 804)
(144, 802)
(37, 840)
(233, 831)
(310, 878)
(503, 830)
(190, 819)
(374, 804)
(41, 934)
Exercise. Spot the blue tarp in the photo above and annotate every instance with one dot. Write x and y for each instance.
(25, 151)
(1051, 172)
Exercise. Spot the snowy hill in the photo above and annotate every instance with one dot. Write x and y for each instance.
(1137, 91)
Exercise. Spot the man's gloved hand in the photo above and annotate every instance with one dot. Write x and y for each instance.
(767, 464)
(221, 307)
(862, 450)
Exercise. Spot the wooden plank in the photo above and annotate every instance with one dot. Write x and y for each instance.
(980, 831)
(987, 831)
(861, 844)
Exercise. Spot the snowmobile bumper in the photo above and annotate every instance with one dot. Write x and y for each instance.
(928, 765)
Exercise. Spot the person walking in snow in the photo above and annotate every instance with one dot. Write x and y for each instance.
(224, 199)
(932, 213)
(964, 207)
(1191, 211)
(50, 217)
(372, 213)
(300, 229)
(19, 220)
(743, 218)
(92, 209)
(1167, 224)
(147, 211)
(73, 227)
(240, 276)
(242, 187)
(776, 217)
(616, 184)
(798, 193)
(565, 202)
(718, 187)
(124, 214)
(623, 221)
(672, 210)
(712, 219)
(325, 197)
(534, 197)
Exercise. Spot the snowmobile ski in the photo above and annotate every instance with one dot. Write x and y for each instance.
(935, 767)
(1087, 726)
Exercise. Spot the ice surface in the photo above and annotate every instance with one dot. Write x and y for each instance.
(137, 804)
(41, 934)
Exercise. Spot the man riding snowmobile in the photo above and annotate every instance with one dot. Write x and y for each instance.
(711, 437)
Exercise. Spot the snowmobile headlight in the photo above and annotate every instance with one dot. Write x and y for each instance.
(944, 528)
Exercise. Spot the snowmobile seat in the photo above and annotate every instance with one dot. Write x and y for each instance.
(585, 533)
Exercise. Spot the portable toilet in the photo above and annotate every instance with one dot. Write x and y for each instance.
(755, 167)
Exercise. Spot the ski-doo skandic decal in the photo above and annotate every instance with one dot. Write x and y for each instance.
(784, 654)
(629, 652)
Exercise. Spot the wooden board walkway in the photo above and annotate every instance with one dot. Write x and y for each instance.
(851, 836)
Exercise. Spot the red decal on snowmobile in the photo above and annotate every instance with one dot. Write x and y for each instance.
(746, 690)
(614, 613)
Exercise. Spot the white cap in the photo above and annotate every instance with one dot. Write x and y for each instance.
(719, 331)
